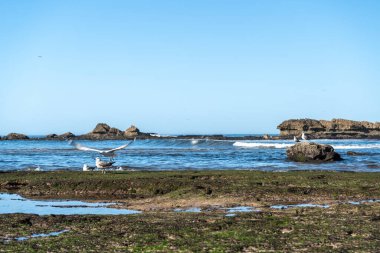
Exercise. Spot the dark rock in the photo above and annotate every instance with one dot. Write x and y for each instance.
(16, 136)
(312, 152)
(132, 131)
(336, 128)
(115, 131)
(67, 135)
(353, 153)
(51, 136)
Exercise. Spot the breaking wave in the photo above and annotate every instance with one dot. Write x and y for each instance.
(364, 146)
(261, 145)
(286, 145)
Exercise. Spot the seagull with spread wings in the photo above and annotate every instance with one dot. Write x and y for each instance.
(106, 152)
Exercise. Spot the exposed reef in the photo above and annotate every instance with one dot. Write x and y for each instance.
(334, 129)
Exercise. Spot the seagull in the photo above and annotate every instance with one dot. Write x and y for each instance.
(103, 165)
(87, 168)
(296, 139)
(304, 137)
(107, 152)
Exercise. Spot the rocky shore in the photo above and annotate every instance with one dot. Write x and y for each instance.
(334, 129)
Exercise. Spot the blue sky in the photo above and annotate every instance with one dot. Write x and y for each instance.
(186, 66)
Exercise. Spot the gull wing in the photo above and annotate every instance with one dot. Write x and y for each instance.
(83, 148)
(118, 148)
(105, 164)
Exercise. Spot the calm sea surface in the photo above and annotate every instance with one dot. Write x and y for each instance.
(177, 154)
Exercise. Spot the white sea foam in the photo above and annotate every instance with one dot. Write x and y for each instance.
(160, 135)
(261, 144)
(364, 146)
(194, 141)
(286, 145)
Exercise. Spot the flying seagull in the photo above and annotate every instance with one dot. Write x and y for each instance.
(106, 152)
(103, 165)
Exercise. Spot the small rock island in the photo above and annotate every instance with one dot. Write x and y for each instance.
(312, 152)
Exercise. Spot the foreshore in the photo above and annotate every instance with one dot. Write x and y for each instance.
(194, 188)
(340, 227)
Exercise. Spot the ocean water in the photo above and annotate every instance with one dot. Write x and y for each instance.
(180, 154)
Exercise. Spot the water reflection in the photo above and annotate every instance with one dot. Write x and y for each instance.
(14, 203)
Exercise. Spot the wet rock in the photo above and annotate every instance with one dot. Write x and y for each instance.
(312, 152)
(132, 131)
(354, 153)
(336, 128)
(16, 136)
(13, 185)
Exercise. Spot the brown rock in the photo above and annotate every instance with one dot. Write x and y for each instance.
(267, 137)
(115, 131)
(336, 128)
(132, 131)
(101, 128)
(312, 152)
(296, 127)
(353, 153)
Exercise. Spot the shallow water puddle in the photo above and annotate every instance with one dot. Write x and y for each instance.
(57, 233)
(189, 210)
(324, 205)
(364, 201)
(14, 203)
(232, 211)
(298, 205)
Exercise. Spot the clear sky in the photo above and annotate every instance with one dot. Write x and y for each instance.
(190, 66)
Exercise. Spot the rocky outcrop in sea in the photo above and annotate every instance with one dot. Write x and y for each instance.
(16, 136)
(312, 152)
(334, 129)
(315, 129)
(103, 131)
